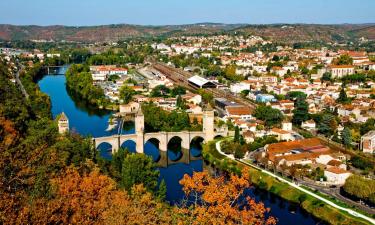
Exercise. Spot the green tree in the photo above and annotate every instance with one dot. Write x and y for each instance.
(139, 169)
(327, 76)
(360, 187)
(346, 137)
(237, 134)
(240, 152)
(343, 98)
(178, 91)
(344, 60)
(162, 190)
(269, 115)
(327, 125)
(160, 91)
(180, 102)
(294, 95)
(126, 94)
(300, 112)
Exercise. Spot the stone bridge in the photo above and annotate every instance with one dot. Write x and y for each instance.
(163, 138)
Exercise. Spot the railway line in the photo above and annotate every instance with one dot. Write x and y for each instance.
(181, 78)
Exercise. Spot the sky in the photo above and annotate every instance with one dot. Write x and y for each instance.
(173, 12)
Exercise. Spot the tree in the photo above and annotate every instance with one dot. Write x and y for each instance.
(360, 187)
(346, 137)
(294, 95)
(113, 77)
(159, 91)
(93, 198)
(269, 115)
(178, 91)
(343, 98)
(327, 76)
(218, 200)
(126, 94)
(300, 112)
(139, 169)
(236, 134)
(180, 103)
(327, 125)
(240, 152)
(344, 60)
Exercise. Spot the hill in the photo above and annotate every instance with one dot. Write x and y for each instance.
(289, 33)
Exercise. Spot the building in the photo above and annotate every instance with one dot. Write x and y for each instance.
(336, 175)
(200, 82)
(281, 135)
(63, 123)
(309, 125)
(341, 70)
(238, 112)
(265, 98)
(300, 152)
(368, 142)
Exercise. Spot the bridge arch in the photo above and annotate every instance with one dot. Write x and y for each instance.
(152, 148)
(174, 148)
(130, 145)
(196, 146)
(105, 149)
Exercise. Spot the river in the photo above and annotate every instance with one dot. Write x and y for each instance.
(87, 120)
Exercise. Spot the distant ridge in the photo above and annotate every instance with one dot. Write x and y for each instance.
(114, 32)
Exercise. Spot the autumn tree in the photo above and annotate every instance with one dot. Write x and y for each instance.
(93, 198)
(216, 200)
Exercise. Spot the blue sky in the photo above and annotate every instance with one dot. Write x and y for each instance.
(161, 12)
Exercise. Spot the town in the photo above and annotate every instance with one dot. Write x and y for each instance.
(305, 114)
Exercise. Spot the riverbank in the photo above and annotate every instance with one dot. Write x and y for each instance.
(310, 202)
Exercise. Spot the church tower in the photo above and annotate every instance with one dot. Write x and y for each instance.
(63, 123)
(208, 123)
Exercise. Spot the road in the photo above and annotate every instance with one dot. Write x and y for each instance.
(350, 211)
(20, 85)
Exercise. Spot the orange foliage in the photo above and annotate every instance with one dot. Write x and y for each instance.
(94, 199)
(216, 201)
(8, 133)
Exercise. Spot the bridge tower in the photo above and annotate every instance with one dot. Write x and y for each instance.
(139, 123)
(63, 123)
(208, 123)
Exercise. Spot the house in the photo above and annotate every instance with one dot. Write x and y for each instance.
(239, 87)
(368, 142)
(301, 152)
(248, 136)
(238, 112)
(309, 125)
(341, 70)
(280, 71)
(336, 175)
(192, 98)
(281, 135)
(286, 125)
(265, 98)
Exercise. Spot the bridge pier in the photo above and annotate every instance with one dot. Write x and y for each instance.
(163, 161)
